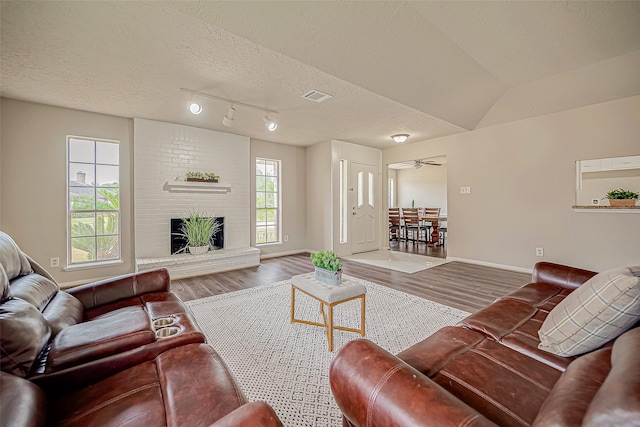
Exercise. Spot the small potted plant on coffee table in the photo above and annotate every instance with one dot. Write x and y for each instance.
(328, 268)
(622, 198)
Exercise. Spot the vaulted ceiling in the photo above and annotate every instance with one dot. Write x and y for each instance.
(428, 69)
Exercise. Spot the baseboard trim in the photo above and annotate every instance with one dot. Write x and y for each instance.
(285, 253)
(491, 264)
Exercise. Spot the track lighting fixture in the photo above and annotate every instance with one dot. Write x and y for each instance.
(271, 124)
(195, 108)
(227, 120)
(400, 138)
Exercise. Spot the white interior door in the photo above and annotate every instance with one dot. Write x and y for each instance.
(364, 208)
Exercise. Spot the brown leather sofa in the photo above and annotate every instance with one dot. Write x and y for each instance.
(123, 351)
(488, 371)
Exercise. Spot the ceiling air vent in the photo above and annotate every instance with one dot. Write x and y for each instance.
(316, 95)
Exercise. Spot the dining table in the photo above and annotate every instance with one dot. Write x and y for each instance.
(435, 222)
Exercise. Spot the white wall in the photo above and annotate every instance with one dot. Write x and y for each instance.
(522, 178)
(164, 151)
(293, 195)
(33, 176)
(426, 186)
(318, 196)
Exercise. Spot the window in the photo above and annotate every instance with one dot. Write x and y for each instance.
(344, 202)
(93, 189)
(267, 201)
(391, 202)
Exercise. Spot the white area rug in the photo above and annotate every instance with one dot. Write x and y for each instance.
(287, 365)
(399, 261)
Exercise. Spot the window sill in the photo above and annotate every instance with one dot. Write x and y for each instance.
(92, 265)
(268, 244)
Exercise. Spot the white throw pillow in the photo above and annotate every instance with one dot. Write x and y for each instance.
(598, 311)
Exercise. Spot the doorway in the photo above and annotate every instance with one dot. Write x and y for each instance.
(420, 183)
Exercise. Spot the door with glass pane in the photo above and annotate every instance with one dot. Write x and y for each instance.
(364, 208)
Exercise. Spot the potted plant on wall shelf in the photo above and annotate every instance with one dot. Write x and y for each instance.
(195, 176)
(198, 230)
(622, 198)
(328, 268)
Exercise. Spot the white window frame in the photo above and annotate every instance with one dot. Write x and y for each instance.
(344, 201)
(278, 198)
(92, 263)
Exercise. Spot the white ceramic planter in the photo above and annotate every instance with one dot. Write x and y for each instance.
(198, 250)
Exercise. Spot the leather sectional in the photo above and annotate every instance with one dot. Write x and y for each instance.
(123, 351)
(488, 370)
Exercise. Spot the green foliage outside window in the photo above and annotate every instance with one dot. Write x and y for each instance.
(95, 236)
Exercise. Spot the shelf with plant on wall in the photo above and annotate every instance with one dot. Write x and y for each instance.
(196, 182)
(619, 200)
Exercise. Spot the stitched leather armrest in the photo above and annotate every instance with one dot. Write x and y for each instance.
(374, 388)
(107, 291)
(254, 414)
(561, 275)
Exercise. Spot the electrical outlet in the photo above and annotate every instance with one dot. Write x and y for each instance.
(54, 262)
(286, 238)
(539, 252)
(465, 190)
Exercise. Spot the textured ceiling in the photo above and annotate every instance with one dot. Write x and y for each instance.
(424, 68)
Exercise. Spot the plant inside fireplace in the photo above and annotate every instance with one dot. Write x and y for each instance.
(198, 229)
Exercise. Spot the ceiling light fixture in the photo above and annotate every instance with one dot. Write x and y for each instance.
(195, 108)
(227, 120)
(271, 124)
(400, 138)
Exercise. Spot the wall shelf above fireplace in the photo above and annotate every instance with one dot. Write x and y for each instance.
(194, 187)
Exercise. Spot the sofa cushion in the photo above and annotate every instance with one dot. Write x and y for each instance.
(5, 293)
(34, 289)
(581, 381)
(617, 402)
(601, 309)
(62, 311)
(14, 262)
(25, 333)
(113, 333)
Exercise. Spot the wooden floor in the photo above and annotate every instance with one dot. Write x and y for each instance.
(465, 286)
(418, 248)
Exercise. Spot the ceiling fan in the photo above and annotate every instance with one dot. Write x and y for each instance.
(419, 163)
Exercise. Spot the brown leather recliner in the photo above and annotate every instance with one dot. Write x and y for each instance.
(85, 333)
(185, 386)
(104, 354)
(488, 371)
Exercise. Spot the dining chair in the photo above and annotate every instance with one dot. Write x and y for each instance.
(395, 227)
(412, 224)
(429, 213)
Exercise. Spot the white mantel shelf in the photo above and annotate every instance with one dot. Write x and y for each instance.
(194, 187)
(610, 209)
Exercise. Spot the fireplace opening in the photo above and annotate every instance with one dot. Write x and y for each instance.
(179, 242)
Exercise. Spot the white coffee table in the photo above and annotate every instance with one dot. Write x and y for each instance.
(328, 296)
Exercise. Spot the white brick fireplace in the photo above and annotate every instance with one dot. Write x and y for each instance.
(163, 152)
